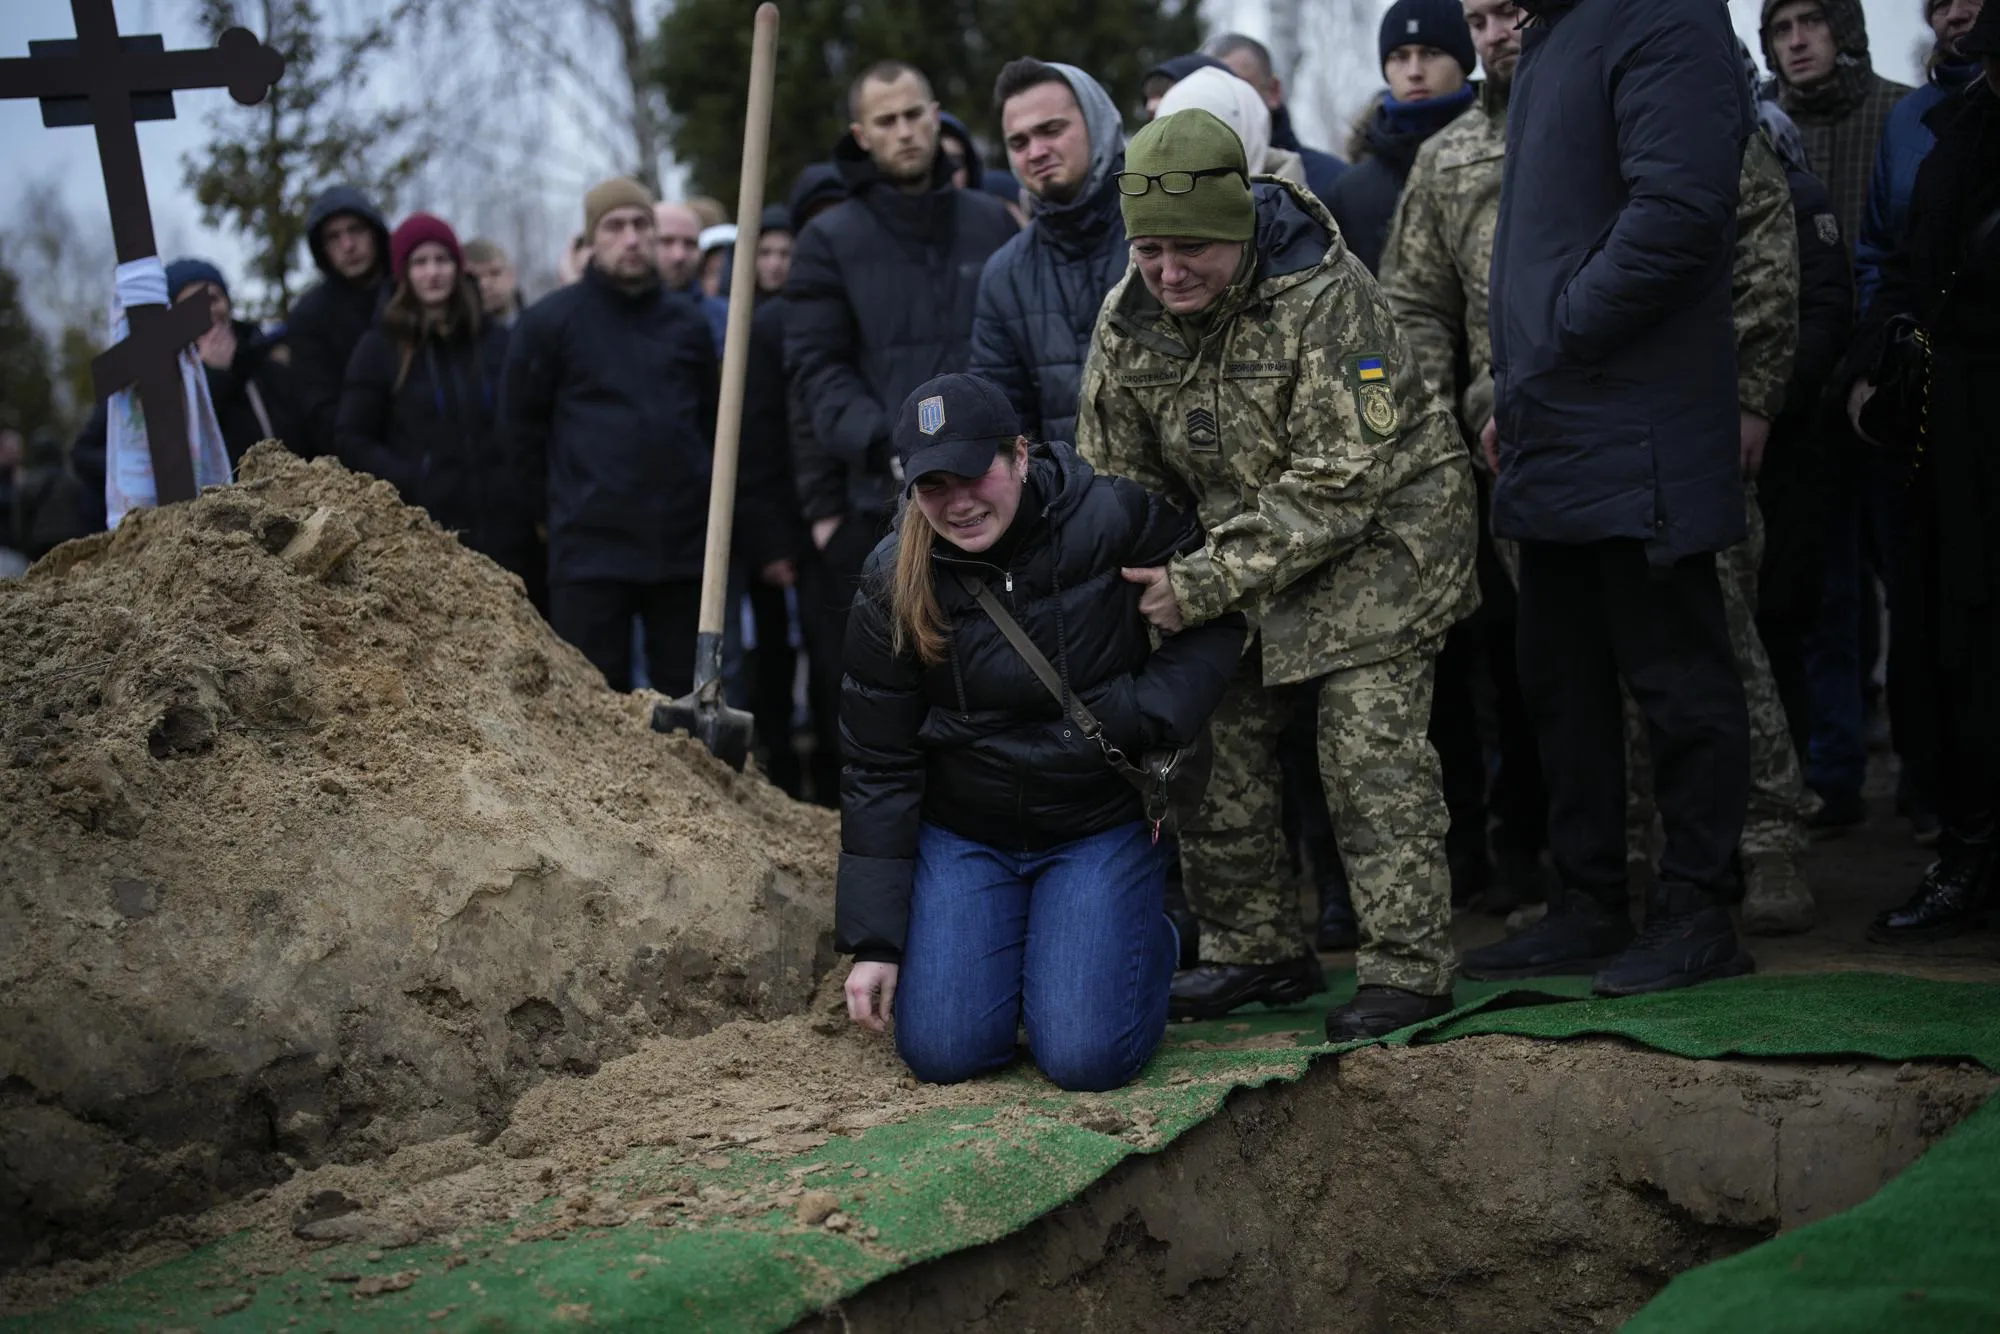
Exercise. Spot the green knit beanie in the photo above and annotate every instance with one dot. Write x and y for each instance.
(1219, 208)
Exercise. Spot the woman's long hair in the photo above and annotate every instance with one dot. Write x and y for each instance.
(916, 617)
(405, 319)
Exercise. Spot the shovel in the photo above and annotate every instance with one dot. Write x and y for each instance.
(703, 714)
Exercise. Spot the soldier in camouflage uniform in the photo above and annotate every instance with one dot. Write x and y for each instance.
(1249, 367)
(1435, 271)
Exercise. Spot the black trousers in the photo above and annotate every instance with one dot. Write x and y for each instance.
(596, 616)
(1592, 616)
(828, 580)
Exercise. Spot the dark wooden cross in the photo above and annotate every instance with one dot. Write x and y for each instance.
(112, 82)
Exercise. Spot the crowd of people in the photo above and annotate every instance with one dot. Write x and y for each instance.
(1484, 514)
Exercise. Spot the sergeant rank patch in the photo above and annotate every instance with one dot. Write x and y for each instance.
(1374, 400)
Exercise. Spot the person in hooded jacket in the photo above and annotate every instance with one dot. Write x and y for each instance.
(1039, 295)
(419, 404)
(881, 298)
(1427, 57)
(996, 870)
(955, 146)
(1824, 79)
(1250, 60)
(349, 242)
(1249, 366)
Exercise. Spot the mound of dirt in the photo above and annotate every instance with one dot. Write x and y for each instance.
(319, 843)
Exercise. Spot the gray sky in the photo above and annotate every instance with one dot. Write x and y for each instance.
(69, 156)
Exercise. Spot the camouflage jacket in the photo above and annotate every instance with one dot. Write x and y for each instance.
(1333, 487)
(1436, 265)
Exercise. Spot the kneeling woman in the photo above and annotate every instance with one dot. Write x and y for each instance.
(996, 869)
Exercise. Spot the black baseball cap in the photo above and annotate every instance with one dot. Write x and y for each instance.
(954, 424)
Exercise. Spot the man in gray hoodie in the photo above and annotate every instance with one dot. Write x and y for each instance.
(1039, 295)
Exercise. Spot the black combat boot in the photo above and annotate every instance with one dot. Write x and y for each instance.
(1950, 901)
(1687, 939)
(1337, 929)
(1376, 1011)
(1212, 990)
(1579, 935)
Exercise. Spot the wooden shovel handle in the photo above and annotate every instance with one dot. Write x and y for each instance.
(736, 338)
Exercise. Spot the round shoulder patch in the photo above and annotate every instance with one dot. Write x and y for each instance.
(1378, 409)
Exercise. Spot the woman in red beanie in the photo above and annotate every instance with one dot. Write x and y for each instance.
(418, 405)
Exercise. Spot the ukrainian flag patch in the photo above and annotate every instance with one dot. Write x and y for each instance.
(1369, 368)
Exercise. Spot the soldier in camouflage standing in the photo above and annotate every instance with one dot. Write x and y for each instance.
(1435, 271)
(1249, 367)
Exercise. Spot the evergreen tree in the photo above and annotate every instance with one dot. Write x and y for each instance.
(703, 66)
(27, 385)
(262, 166)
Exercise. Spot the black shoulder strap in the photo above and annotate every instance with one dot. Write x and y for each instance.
(1039, 663)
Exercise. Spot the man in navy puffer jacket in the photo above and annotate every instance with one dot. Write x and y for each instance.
(1039, 296)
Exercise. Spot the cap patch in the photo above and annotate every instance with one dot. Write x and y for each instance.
(930, 415)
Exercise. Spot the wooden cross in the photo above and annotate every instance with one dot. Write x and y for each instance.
(111, 82)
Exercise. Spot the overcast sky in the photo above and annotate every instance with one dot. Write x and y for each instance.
(69, 156)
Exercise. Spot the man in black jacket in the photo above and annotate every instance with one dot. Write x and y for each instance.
(881, 297)
(1617, 449)
(1039, 296)
(607, 409)
(350, 244)
(1427, 57)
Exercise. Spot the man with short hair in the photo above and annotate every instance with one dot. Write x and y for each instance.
(677, 232)
(499, 292)
(607, 405)
(1250, 60)
(1039, 296)
(1427, 57)
(881, 298)
(1818, 52)
(349, 242)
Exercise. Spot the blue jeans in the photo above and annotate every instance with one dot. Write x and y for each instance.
(1073, 942)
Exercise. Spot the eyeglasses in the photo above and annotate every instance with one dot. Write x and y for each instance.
(1171, 182)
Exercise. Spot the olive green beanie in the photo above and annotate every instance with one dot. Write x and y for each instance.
(1219, 208)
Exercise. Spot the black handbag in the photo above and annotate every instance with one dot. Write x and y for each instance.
(1165, 778)
(1898, 414)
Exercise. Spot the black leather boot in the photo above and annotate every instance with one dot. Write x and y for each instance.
(1214, 989)
(1688, 938)
(1950, 901)
(1579, 935)
(1376, 1011)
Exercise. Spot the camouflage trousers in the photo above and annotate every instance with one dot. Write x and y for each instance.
(1382, 788)
(1779, 801)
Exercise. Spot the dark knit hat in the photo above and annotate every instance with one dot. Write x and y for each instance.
(618, 192)
(182, 272)
(412, 232)
(1439, 23)
(1218, 208)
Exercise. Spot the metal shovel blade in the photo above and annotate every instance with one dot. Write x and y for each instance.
(703, 715)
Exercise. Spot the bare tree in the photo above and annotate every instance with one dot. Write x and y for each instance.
(1337, 73)
(65, 264)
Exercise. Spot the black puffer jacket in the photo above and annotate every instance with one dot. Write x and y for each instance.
(882, 289)
(433, 436)
(976, 744)
(608, 419)
(326, 324)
